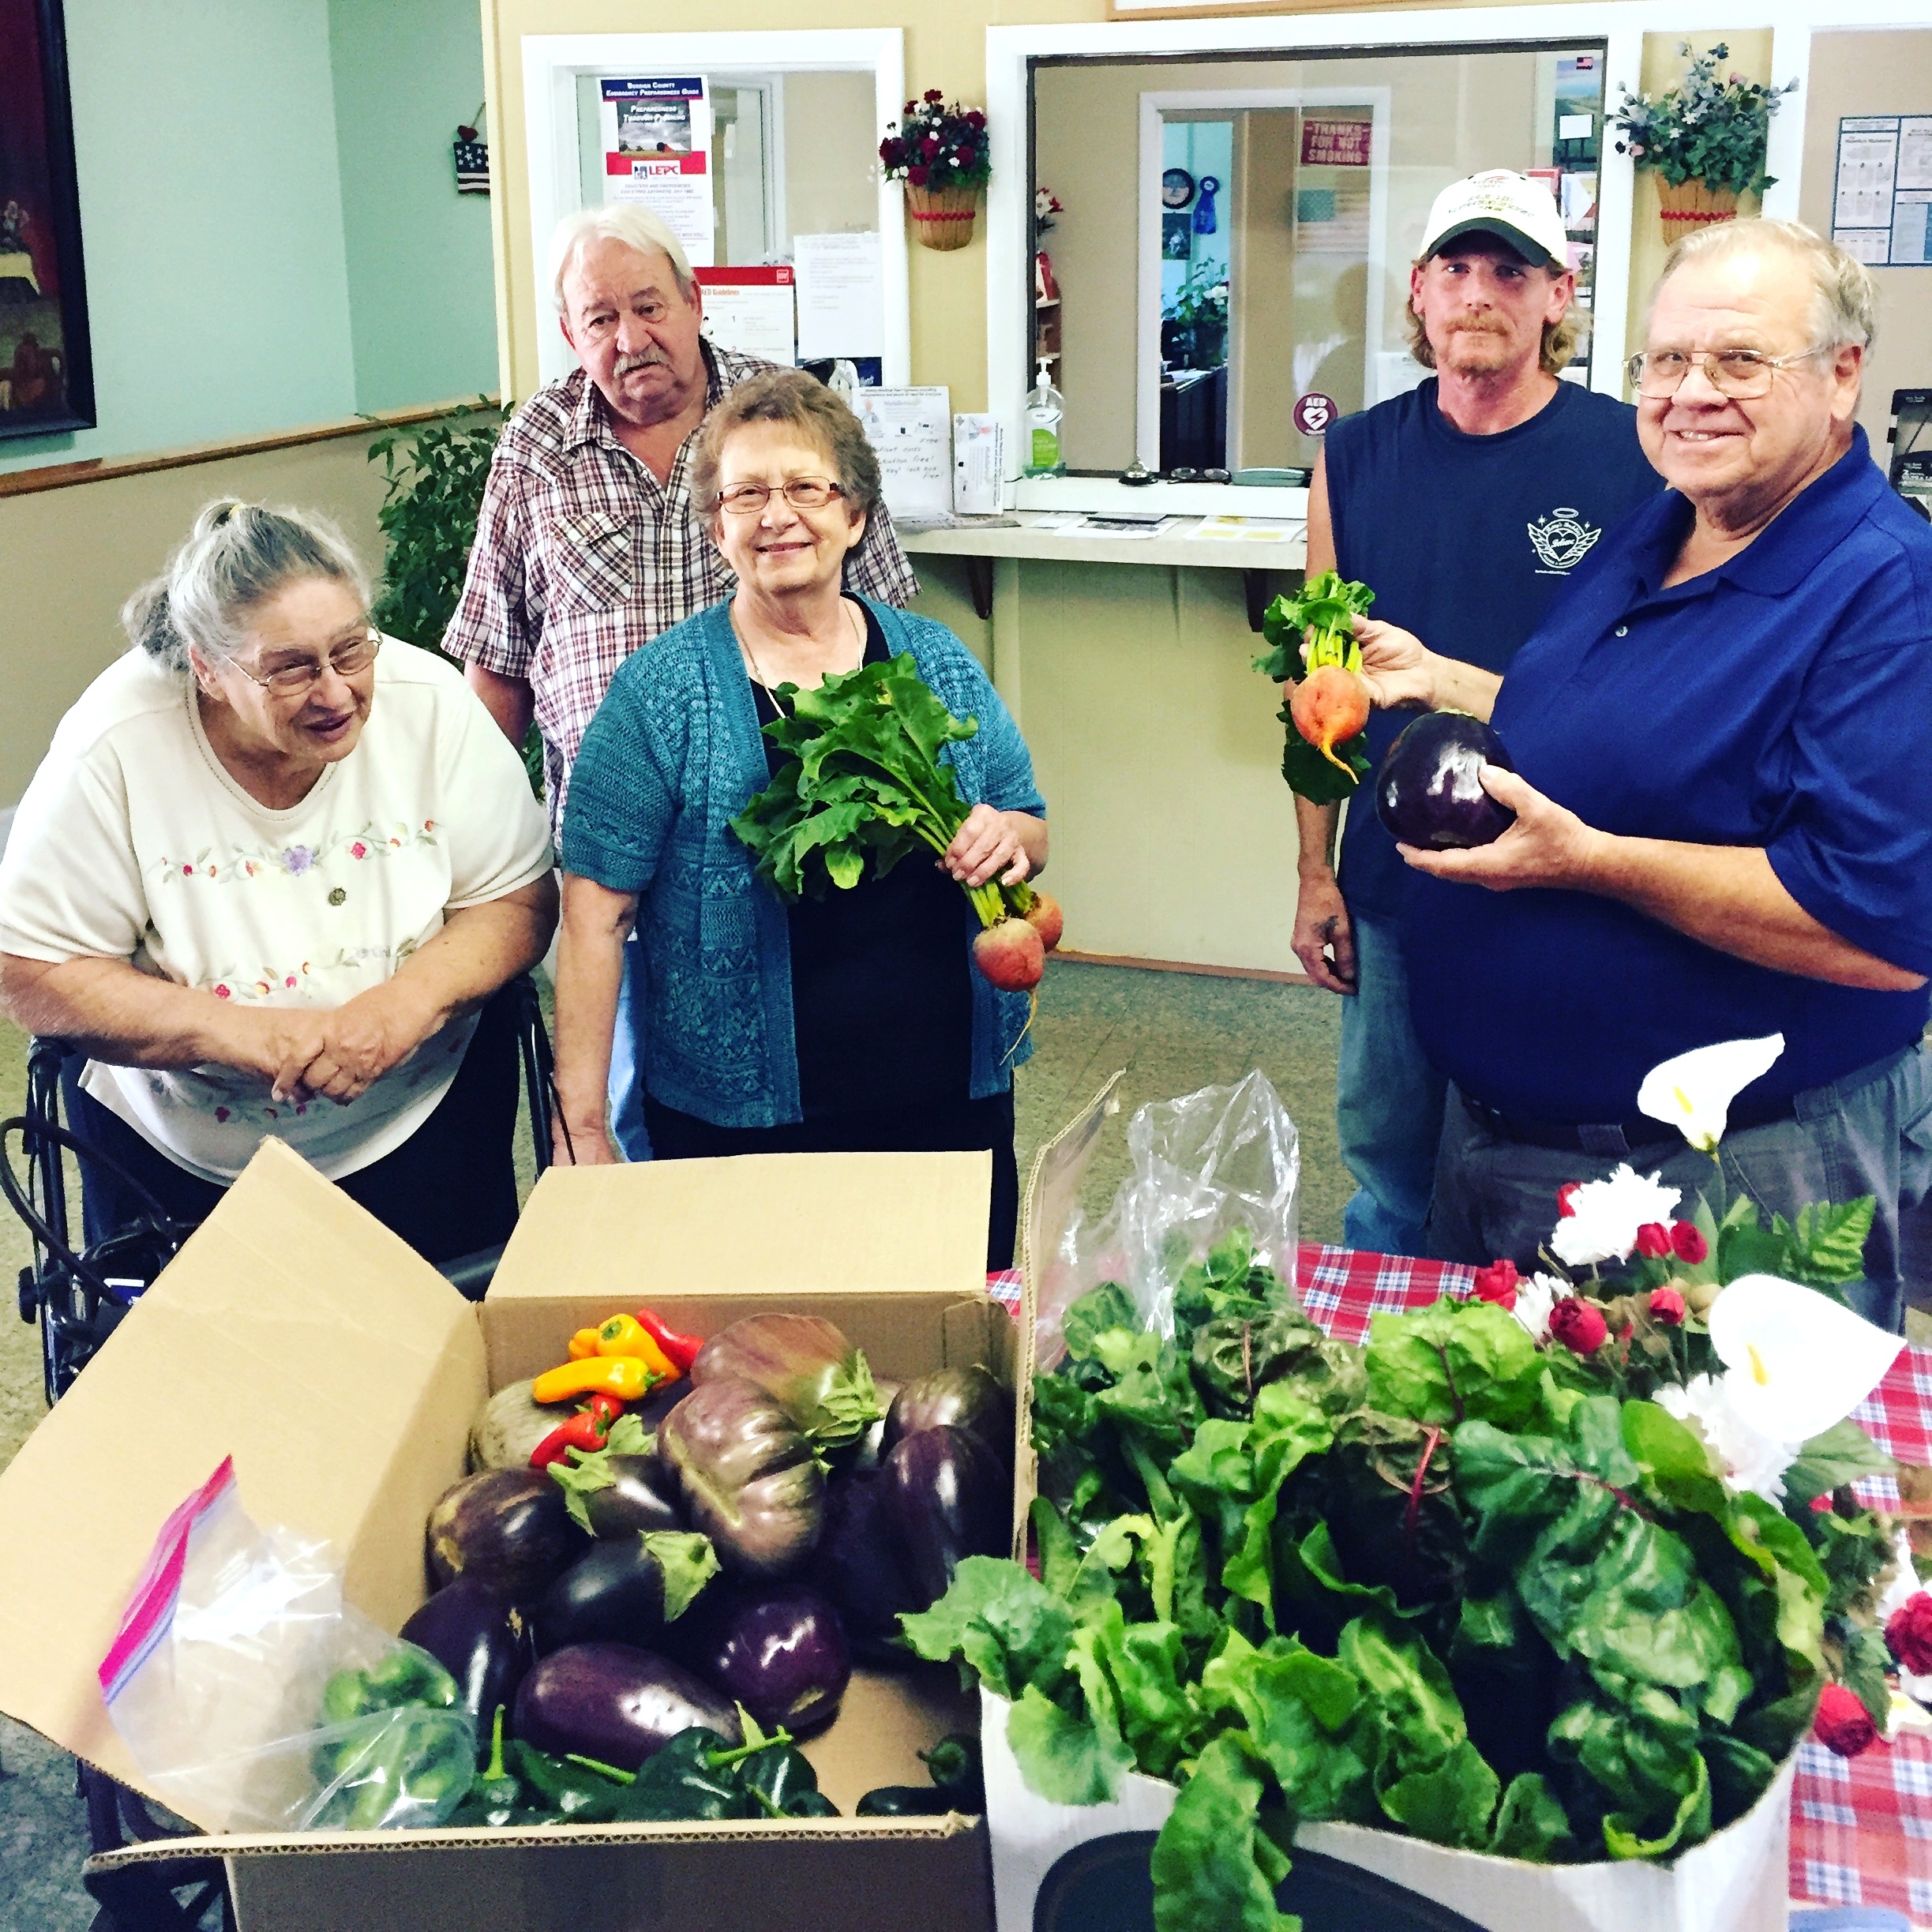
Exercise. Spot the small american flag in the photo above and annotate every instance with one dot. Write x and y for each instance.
(472, 165)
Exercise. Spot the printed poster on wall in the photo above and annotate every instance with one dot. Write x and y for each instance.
(657, 136)
(1881, 196)
(1331, 142)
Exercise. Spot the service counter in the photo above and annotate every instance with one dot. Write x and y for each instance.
(1127, 662)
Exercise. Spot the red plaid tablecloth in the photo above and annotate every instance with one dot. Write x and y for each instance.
(1861, 1827)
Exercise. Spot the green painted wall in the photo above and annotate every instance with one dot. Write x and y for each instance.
(211, 221)
(422, 299)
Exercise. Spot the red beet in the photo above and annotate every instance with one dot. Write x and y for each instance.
(1010, 956)
(1045, 918)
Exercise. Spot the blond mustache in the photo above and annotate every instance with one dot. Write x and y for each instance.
(650, 360)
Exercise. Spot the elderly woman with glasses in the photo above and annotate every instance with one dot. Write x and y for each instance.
(851, 1023)
(1722, 794)
(267, 879)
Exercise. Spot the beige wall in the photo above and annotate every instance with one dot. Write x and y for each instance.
(831, 167)
(1858, 73)
(72, 556)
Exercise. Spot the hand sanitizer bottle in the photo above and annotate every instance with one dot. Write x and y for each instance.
(1045, 406)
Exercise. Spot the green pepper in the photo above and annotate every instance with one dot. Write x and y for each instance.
(582, 1796)
(906, 1801)
(406, 1677)
(399, 1760)
(783, 1782)
(954, 1765)
(681, 1784)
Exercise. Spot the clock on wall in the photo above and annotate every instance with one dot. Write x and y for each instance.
(1176, 187)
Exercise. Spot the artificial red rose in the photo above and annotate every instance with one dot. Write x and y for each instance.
(1653, 1239)
(1497, 1283)
(934, 96)
(1566, 1196)
(1687, 1243)
(1579, 1326)
(1909, 1633)
(892, 153)
(930, 146)
(917, 173)
(974, 117)
(1667, 1305)
(1843, 1723)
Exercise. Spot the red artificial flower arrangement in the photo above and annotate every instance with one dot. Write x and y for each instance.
(938, 145)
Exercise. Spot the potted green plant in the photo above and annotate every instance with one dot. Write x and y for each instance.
(433, 477)
(1195, 332)
(941, 151)
(1705, 138)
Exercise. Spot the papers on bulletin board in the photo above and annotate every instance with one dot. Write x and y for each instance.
(657, 136)
(1246, 530)
(841, 295)
(750, 310)
(1881, 196)
(911, 432)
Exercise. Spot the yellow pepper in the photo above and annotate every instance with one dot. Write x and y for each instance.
(624, 1334)
(625, 1376)
(583, 1344)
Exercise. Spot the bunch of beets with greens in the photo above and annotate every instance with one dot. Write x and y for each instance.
(1451, 1584)
(1313, 654)
(864, 781)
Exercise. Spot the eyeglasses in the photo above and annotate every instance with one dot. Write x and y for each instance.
(1738, 373)
(802, 493)
(345, 661)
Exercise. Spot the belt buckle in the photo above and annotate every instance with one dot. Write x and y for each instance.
(1602, 1140)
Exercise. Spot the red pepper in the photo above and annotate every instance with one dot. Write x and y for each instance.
(680, 1350)
(586, 1430)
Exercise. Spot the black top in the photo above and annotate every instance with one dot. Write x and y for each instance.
(882, 1005)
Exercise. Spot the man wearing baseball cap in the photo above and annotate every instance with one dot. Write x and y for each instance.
(1463, 505)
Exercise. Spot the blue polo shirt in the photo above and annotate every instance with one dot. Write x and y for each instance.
(1783, 700)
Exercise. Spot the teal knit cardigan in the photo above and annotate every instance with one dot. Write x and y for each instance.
(673, 754)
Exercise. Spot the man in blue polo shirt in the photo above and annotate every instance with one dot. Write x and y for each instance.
(1723, 736)
(1463, 505)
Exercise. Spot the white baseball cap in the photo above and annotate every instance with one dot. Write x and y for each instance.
(1511, 206)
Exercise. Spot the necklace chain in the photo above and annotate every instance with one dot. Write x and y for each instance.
(758, 670)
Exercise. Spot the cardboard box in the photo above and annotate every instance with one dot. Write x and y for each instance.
(1736, 1882)
(342, 1372)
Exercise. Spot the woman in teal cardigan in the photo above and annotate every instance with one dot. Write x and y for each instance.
(855, 1023)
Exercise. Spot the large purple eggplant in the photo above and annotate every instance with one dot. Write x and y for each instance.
(947, 1496)
(955, 1398)
(1429, 791)
(626, 1590)
(507, 1527)
(614, 1494)
(805, 1365)
(482, 1638)
(750, 1480)
(615, 1703)
(856, 1562)
(781, 1653)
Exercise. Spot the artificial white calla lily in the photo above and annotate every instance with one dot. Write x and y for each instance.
(1693, 1092)
(1603, 1217)
(1799, 1361)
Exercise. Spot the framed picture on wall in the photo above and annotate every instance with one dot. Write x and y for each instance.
(46, 370)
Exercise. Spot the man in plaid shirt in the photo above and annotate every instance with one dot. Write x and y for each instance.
(585, 547)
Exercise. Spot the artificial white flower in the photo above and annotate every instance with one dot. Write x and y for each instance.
(1799, 1361)
(1536, 1295)
(1604, 1216)
(1693, 1091)
(1745, 1458)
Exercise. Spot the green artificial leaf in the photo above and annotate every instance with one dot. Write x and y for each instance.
(1862, 1669)
(1531, 1824)
(1453, 1362)
(1449, 1804)
(1107, 1307)
(1746, 1248)
(1214, 1870)
(1676, 1465)
(1843, 1453)
(1825, 1244)
(1853, 1548)
(1065, 1759)
(999, 1622)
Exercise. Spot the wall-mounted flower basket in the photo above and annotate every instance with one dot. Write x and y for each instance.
(942, 217)
(943, 155)
(1684, 207)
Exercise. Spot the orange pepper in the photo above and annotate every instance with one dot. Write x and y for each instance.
(624, 1376)
(624, 1334)
(583, 1344)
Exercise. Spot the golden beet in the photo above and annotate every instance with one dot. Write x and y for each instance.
(1329, 707)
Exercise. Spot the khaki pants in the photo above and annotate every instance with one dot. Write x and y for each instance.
(1870, 1133)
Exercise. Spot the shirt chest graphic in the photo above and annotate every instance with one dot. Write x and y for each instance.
(1562, 540)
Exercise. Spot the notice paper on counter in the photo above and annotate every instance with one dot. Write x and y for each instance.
(750, 310)
(841, 295)
(911, 432)
(1246, 529)
(1077, 523)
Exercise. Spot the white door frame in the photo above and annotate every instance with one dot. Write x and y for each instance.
(1147, 368)
(553, 64)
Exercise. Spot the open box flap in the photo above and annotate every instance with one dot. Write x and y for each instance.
(297, 1333)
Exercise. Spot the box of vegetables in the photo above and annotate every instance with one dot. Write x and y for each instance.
(778, 1413)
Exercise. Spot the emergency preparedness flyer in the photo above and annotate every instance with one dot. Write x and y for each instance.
(657, 140)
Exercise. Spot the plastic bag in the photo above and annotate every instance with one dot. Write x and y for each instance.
(256, 1699)
(1199, 1168)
